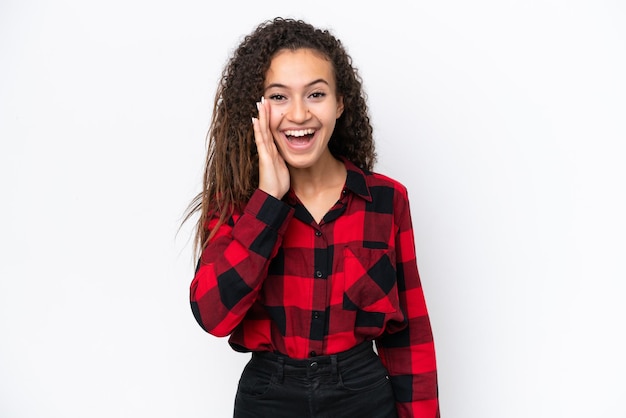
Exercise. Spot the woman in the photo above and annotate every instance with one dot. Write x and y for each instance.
(305, 255)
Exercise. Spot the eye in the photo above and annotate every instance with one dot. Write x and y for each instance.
(277, 97)
(318, 95)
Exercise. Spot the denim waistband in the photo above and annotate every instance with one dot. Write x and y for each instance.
(340, 359)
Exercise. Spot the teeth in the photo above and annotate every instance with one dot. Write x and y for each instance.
(300, 132)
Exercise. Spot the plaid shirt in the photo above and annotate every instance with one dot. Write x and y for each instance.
(275, 280)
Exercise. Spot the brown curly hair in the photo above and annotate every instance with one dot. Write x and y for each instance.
(231, 171)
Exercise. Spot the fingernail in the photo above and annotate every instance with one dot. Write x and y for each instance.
(263, 99)
(253, 120)
(258, 106)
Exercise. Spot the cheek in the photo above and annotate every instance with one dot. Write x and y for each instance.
(330, 114)
(330, 119)
(274, 119)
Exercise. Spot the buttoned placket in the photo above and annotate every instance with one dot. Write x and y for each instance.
(321, 272)
(323, 261)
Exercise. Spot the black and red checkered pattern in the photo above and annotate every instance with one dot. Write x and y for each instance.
(275, 280)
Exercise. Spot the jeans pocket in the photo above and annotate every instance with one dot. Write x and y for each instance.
(255, 381)
(366, 377)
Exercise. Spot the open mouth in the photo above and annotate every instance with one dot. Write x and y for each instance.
(301, 136)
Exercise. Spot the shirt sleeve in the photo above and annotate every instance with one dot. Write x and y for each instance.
(235, 262)
(409, 354)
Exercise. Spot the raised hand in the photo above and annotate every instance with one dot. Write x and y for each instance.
(273, 172)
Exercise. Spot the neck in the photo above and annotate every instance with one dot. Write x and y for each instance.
(327, 173)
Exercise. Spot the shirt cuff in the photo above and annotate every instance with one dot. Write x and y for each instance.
(271, 211)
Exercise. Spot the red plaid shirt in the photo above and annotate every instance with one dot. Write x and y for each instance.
(275, 280)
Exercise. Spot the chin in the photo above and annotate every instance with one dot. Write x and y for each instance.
(300, 164)
(299, 161)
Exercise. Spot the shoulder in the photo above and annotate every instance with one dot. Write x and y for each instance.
(377, 180)
(372, 185)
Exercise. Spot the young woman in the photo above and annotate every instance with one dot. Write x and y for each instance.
(305, 255)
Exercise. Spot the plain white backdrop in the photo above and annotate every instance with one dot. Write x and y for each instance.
(505, 120)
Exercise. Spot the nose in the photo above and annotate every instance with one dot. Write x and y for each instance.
(298, 111)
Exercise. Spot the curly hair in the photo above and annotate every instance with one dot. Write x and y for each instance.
(231, 169)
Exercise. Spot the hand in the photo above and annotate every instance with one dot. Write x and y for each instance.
(273, 172)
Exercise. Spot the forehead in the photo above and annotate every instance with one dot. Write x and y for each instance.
(300, 65)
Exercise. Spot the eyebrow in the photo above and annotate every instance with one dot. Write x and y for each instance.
(278, 85)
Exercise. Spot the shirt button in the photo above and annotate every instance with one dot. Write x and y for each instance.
(312, 354)
(344, 191)
(316, 315)
(318, 274)
(318, 233)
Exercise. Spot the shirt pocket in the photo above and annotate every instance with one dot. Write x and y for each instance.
(370, 281)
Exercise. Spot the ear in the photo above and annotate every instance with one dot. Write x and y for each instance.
(339, 106)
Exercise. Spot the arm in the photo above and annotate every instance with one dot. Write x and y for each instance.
(409, 354)
(235, 262)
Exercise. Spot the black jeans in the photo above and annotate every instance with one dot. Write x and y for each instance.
(351, 384)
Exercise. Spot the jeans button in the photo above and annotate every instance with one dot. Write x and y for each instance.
(313, 366)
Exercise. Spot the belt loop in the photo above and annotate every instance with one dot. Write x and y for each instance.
(334, 368)
(281, 369)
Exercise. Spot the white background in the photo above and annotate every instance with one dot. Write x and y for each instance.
(505, 119)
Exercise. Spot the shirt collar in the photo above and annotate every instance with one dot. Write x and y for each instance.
(356, 182)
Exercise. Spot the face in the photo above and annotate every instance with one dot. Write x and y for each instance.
(301, 89)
